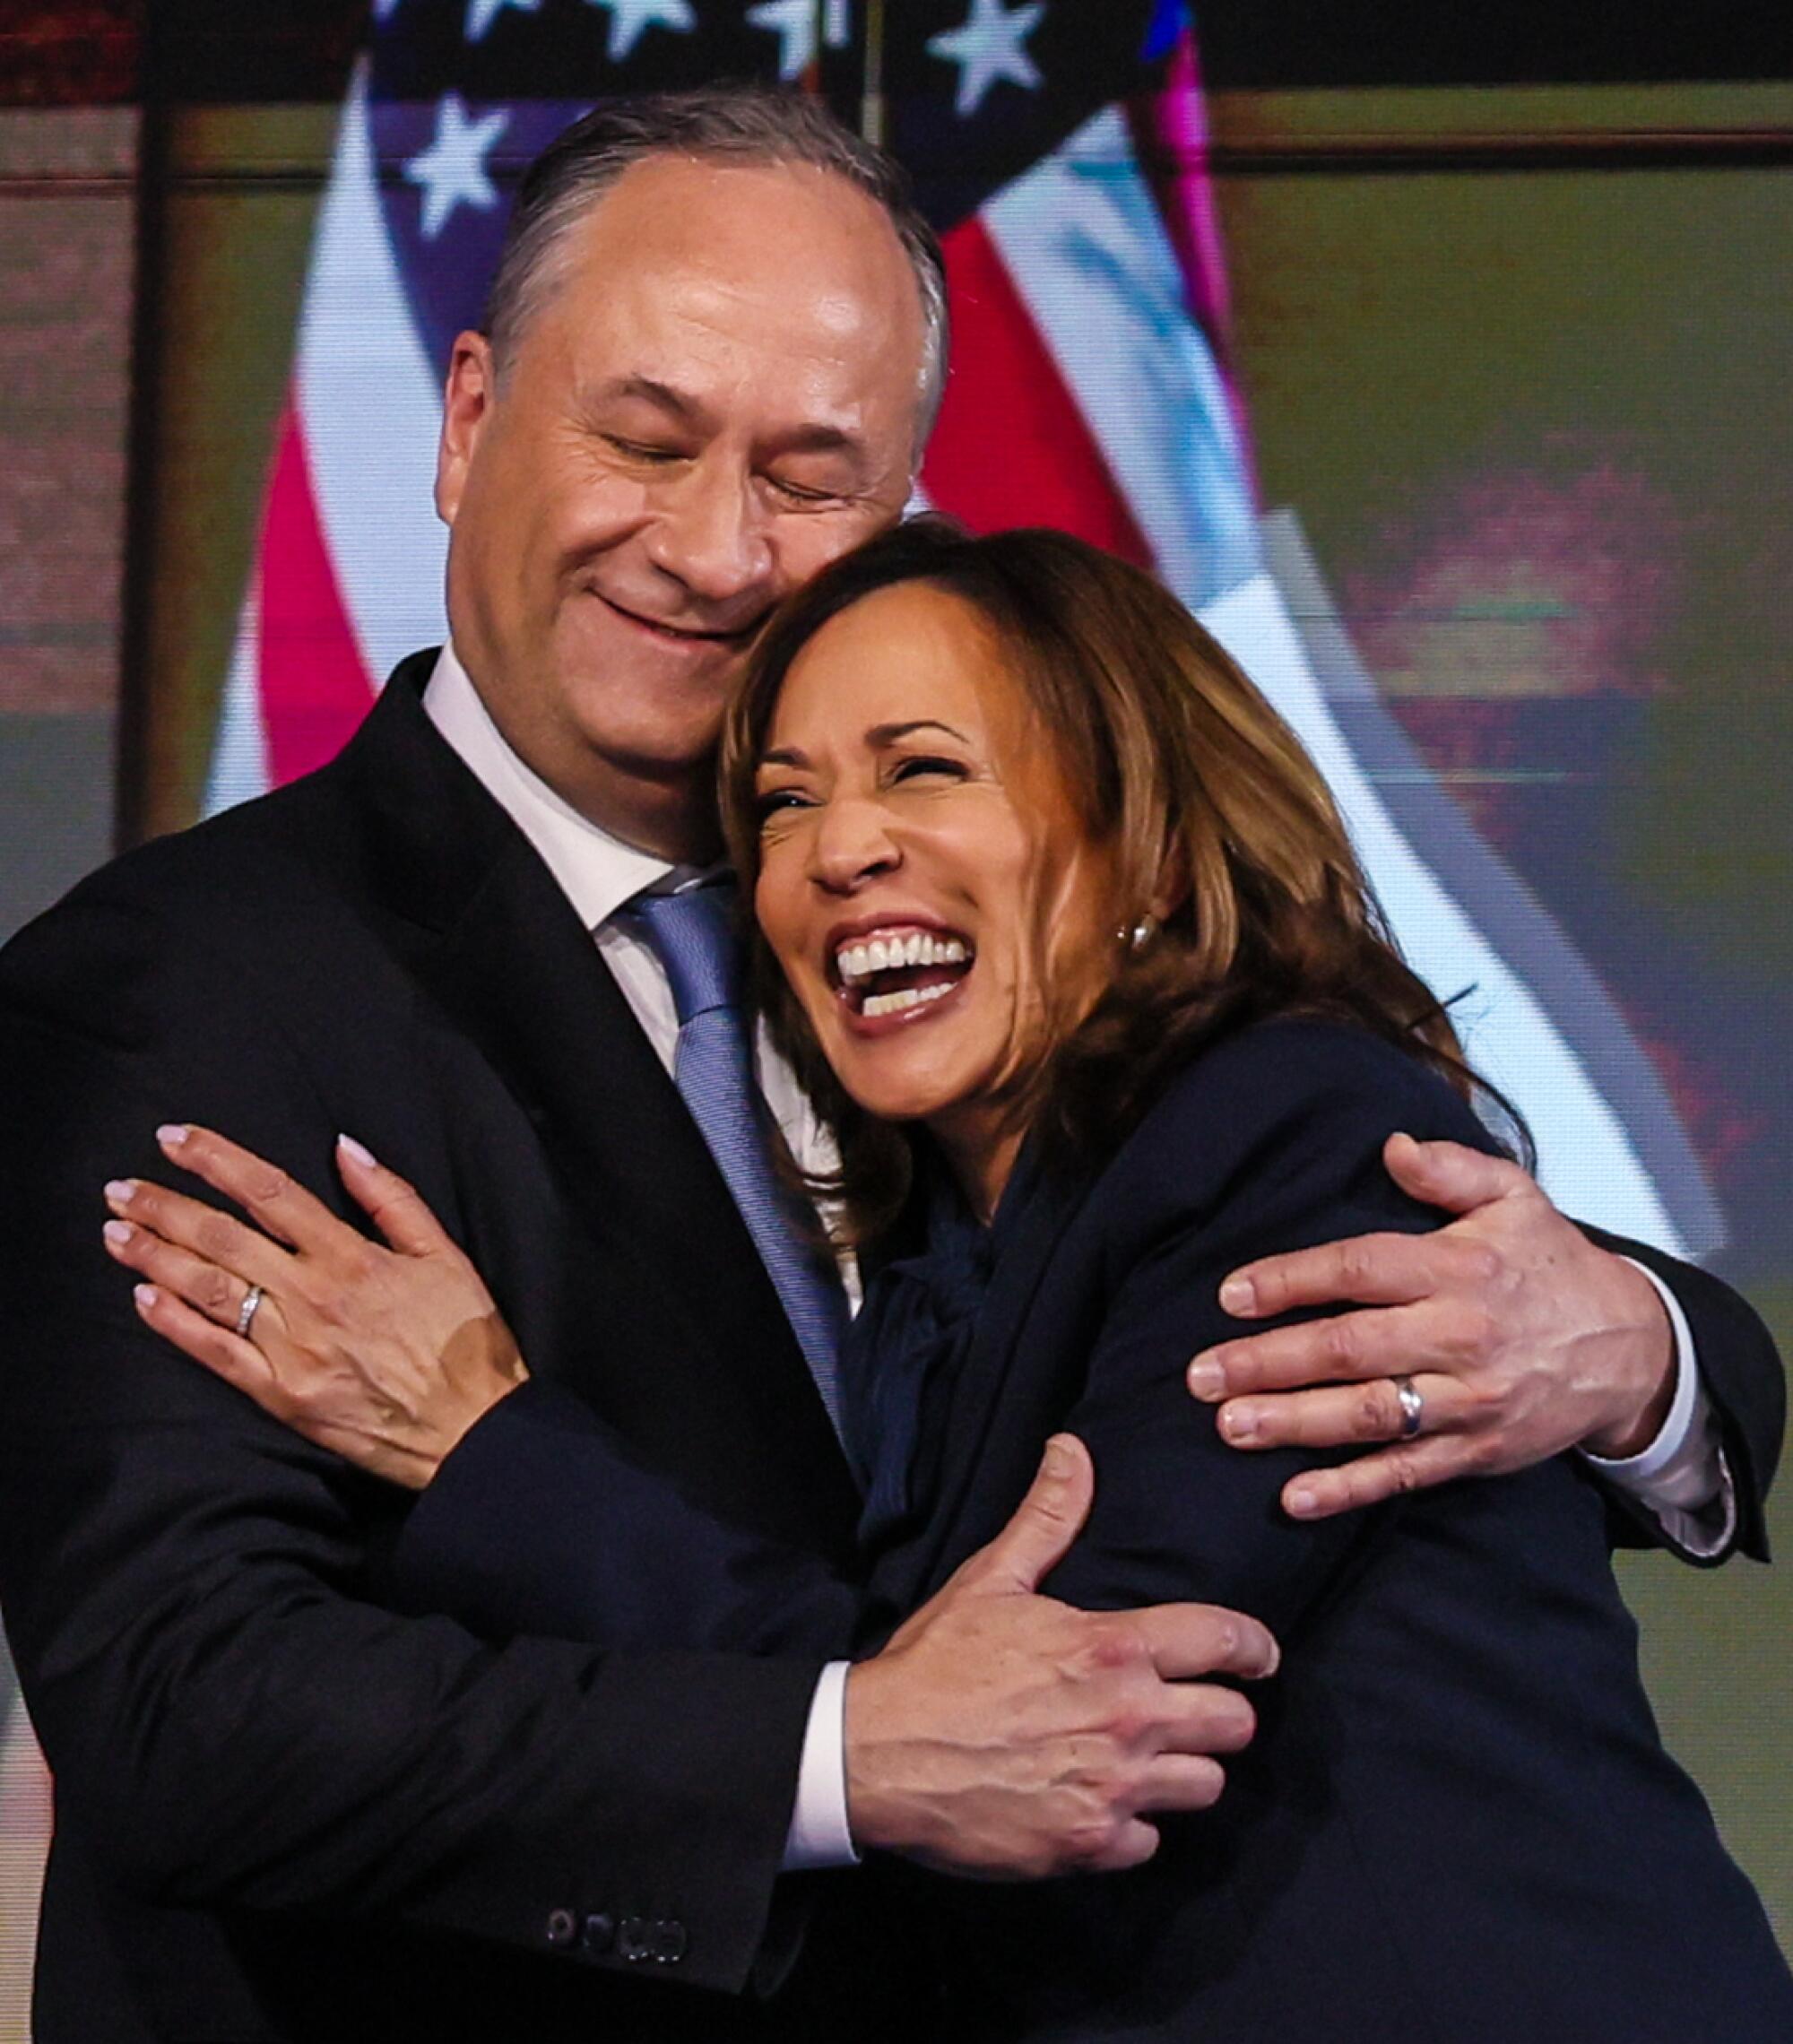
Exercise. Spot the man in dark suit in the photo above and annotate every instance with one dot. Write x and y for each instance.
(288, 1809)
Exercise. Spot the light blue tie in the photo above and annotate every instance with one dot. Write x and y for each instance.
(694, 935)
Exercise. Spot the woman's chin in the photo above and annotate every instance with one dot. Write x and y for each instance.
(884, 1081)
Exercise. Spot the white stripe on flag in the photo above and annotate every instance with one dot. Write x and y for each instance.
(1586, 1160)
(1080, 235)
(370, 409)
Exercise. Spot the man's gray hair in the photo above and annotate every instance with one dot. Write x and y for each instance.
(741, 124)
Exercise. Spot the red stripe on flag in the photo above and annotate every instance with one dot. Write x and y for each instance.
(1012, 446)
(315, 688)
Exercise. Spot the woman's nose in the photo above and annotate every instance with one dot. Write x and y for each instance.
(853, 843)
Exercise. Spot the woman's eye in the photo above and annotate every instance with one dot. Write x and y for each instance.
(777, 801)
(916, 768)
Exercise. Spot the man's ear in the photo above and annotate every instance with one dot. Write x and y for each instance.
(467, 401)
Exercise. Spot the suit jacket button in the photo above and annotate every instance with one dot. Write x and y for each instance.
(635, 1939)
(598, 1934)
(671, 1941)
(563, 1927)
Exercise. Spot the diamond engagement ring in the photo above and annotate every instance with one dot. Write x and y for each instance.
(246, 1314)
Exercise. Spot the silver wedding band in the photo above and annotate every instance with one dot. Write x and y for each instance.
(1413, 1407)
(246, 1314)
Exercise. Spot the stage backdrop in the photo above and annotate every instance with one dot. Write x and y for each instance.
(1458, 415)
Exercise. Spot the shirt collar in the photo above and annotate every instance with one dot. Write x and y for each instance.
(598, 872)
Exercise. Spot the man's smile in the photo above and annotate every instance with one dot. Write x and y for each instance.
(680, 635)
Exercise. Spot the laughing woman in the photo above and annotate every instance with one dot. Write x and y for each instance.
(1062, 929)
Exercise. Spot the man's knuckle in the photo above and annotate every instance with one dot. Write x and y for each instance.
(1481, 1263)
(1341, 1345)
(1357, 1262)
(1375, 1413)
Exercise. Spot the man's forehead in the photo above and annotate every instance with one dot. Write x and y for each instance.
(719, 209)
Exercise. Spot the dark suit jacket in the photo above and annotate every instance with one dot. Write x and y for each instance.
(1457, 1822)
(286, 1806)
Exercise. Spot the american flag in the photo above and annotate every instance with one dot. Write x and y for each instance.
(1061, 148)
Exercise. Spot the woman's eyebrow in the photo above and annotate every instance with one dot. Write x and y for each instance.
(884, 734)
(877, 736)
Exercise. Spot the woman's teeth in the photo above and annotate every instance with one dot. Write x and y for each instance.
(905, 996)
(886, 954)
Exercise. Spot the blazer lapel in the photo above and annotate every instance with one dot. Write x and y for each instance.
(499, 949)
(966, 1451)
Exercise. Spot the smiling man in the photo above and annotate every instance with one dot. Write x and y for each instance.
(297, 1799)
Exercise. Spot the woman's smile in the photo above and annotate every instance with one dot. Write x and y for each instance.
(898, 971)
(925, 879)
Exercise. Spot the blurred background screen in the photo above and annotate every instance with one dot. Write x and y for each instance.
(1437, 358)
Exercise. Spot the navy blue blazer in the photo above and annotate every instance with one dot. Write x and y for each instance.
(1457, 1822)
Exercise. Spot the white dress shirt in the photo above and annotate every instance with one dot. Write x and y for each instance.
(1681, 1476)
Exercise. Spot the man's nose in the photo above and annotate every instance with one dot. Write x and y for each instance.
(711, 536)
(853, 843)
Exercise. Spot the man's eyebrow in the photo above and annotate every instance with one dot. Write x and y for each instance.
(651, 391)
(819, 436)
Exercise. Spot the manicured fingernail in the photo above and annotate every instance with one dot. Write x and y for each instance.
(1056, 1462)
(1303, 1503)
(1239, 1424)
(171, 1135)
(120, 1231)
(144, 1295)
(358, 1152)
(1239, 1296)
(1206, 1378)
(121, 1191)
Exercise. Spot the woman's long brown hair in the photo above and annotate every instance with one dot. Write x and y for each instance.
(1175, 764)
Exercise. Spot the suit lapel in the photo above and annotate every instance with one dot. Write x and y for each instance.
(499, 949)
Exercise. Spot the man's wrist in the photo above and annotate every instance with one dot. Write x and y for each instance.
(1653, 1324)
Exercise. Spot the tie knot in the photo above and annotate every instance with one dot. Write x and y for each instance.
(693, 934)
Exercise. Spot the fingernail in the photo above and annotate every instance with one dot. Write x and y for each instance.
(1240, 1424)
(1239, 1297)
(171, 1135)
(120, 1231)
(359, 1152)
(1206, 1378)
(121, 1191)
(1303, 1503)
(1056, 1462)
(144, 1295)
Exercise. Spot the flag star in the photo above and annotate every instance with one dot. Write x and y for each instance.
(483, 13)
(794, 22)
(630, 18)
(986, 48)
(453, 170)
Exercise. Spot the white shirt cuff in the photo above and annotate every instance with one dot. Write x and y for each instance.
(1681, 1476)
(819, 1833)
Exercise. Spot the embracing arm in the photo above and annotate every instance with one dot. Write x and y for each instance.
(990, 1688)
(220, 1693)
(1272, 1144)
(1527, 1335)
